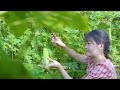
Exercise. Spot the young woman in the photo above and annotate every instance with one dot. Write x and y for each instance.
(99, 65)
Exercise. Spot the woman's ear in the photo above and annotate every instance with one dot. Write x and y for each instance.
(101, 46)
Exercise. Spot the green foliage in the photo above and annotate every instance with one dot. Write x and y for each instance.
(11, 69)
(24, 35)
(19, 21)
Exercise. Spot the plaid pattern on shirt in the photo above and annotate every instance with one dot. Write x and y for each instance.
(101, 70)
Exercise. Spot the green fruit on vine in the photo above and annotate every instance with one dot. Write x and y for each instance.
(45, 56)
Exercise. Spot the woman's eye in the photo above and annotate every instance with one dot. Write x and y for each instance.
(89, 43)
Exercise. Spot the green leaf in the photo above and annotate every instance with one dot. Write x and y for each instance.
(19, 21)
(11, 69)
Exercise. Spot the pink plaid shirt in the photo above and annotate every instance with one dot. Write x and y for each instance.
(101, 70)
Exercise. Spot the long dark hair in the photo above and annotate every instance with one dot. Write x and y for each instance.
(100, 37)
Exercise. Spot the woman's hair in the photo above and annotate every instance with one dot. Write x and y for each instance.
(100, 37)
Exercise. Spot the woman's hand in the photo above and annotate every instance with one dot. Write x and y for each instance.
(53, 64)
(56, 41)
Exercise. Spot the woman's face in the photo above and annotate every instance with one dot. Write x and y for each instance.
(91, 49)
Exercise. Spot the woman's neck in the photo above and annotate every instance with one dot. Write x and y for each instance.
(98, 59)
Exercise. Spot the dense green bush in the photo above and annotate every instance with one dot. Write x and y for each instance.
(25, 34)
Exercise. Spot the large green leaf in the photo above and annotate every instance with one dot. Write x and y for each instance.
(19, 21)
(11, 69)
(16, 21)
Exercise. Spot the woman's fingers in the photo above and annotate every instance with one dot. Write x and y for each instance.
(50, 65)
(51, 60)
(55, 41)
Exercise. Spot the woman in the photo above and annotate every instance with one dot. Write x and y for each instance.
(99, 65)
